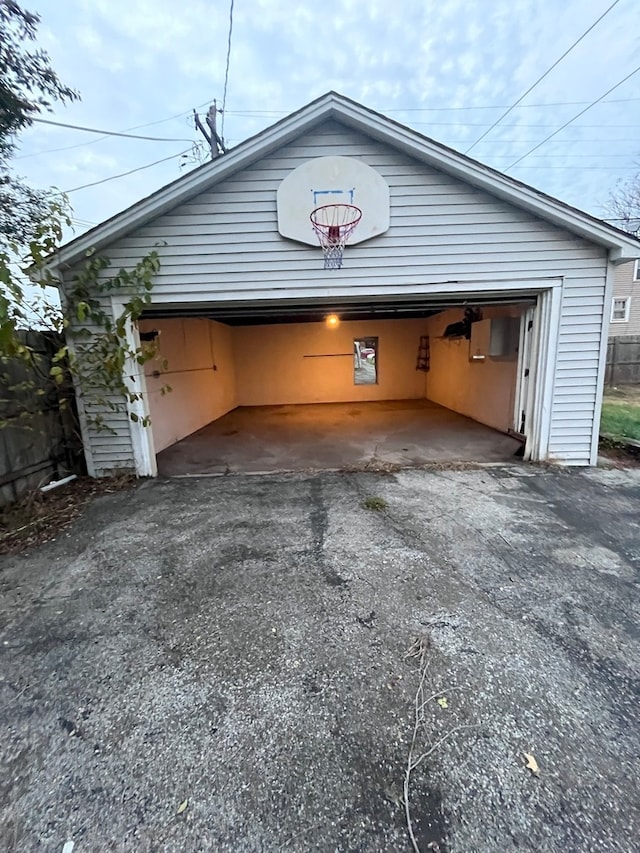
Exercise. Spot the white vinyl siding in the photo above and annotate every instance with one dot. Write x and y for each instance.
(627, 286)
(224, 245)
(111, 445)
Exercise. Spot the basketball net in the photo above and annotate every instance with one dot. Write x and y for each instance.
(334, 224)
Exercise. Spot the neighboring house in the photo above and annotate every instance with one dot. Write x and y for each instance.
(501, 292)
(625, 306)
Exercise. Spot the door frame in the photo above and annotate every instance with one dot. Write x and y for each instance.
(539, 393)
(544, 349)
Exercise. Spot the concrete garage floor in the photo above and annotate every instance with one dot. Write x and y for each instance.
(222, 665)
(334, 436)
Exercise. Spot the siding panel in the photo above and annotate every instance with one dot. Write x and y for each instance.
(625, 286)
(224, 245)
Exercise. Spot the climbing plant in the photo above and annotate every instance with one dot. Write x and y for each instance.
(95, 349)
(99, 351)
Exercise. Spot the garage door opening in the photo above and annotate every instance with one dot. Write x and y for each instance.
(438, 383)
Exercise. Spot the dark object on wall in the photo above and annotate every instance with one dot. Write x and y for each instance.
(424, 354)
(463, 328)
(149, 336)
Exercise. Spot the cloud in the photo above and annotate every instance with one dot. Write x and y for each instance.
(447, 68)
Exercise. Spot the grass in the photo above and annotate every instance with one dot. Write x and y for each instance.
(376, 504)
(620, 419)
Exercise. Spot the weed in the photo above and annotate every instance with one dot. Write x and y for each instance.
(376, 504)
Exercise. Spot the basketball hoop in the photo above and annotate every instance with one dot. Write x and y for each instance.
(334, 224)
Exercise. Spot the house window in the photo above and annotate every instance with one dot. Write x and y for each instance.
(620, 310)
(636, 271)
(365, 361)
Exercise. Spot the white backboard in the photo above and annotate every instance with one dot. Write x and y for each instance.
(332, 180)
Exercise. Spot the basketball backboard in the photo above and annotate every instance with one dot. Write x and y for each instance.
(332, 180)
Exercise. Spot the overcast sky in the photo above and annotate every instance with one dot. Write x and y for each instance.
(448, 68)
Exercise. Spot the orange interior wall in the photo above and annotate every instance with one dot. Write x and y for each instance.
(293, 363)
(199, 394)
(484, 391)
(311, 363)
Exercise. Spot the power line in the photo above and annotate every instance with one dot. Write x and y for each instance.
(461, 123)
(571, 156)
(513, 141)
(540, 79)
(185, 113)
(124, 174)
(272, 113)
(101, 138)
(108, 132)
(571, 120)
(619, 168)
(501, 106)
(458, 122)
(226, 71)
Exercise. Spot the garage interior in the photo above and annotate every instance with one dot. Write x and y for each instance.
(289, 386)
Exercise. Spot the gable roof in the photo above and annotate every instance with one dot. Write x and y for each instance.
(622, 246)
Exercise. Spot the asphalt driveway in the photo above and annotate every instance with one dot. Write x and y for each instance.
(222, 664)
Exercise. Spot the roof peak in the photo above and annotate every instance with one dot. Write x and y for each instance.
(377, 126)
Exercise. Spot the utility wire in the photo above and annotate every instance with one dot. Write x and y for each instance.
(226, 71)
(109, 132)
(511, 140)
(570, 156)
(130, 172)
(500, 106)
(185, 113)
(571, 120)
(260, 113)
(460, 123)
(619, 168)
(540, 79)
(385, 110)
(106, 135)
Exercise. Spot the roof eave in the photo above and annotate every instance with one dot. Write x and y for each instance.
(188, 186)
(621, 246)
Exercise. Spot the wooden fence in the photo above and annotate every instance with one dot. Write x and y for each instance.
(623, 360)
(39, 441)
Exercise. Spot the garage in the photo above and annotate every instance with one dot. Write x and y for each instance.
(339, 259)
(334, 389)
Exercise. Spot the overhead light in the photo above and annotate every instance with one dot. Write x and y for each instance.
(332, 321)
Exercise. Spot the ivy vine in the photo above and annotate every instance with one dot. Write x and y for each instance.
(94, 354)
(99, 351)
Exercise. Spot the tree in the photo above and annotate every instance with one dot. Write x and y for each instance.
(96, 352)
(624, 205)
(28, 86)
